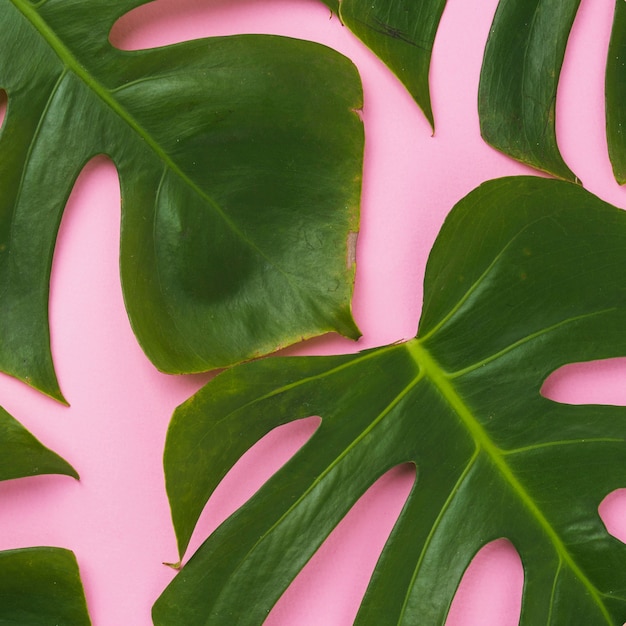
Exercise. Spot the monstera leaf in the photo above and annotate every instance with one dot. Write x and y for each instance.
(401, 33)
(240, 179)
(527, 274)
(521, 68)
(38, 586)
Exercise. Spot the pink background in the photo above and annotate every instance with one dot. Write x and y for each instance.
(116, 519)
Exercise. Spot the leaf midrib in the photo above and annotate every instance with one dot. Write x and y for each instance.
(72, 64)
(441, 380)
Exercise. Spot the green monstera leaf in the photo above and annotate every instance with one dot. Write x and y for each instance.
(240, 178)
(526, 275)
(402, 33)
(519, 78)
(38, 586)
(520, 74)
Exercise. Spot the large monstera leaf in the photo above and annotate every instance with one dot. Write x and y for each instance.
(240, 167)
(38, 586)
(527, 275)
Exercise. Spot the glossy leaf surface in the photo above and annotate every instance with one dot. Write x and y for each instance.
(240, 179)
(526, 275)
(616, 94)
(400, 32)
(41, 587)
(519, 78)
(23, 455)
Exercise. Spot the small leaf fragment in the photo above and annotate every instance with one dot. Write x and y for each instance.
(21, 454)
(519, 78)
(401, 34)
(41, 587)
(615, 91)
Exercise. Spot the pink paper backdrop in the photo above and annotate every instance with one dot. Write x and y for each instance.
(116, 519)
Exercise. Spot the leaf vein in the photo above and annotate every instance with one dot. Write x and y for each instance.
(555, 444)
(173, 318)
(553, 591)
(524, 340)
(31, 147)
(434, 528)
(365, 356)
(481, 279)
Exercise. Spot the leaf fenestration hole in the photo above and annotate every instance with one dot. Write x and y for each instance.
(251, 472)
(143, 27)
(74, 261)
(43, 491)
(185, 19)
(4, 100)
(490, 593)
(612, 510)
(595, 382)
(349, 555)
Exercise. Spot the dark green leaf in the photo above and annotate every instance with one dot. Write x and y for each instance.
(518, 82)
(526, 275)
(616, 94)
(22, 455)
(41, 587)
(240, 177)
(402, 34)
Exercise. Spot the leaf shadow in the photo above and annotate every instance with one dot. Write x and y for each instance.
(32, 487)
